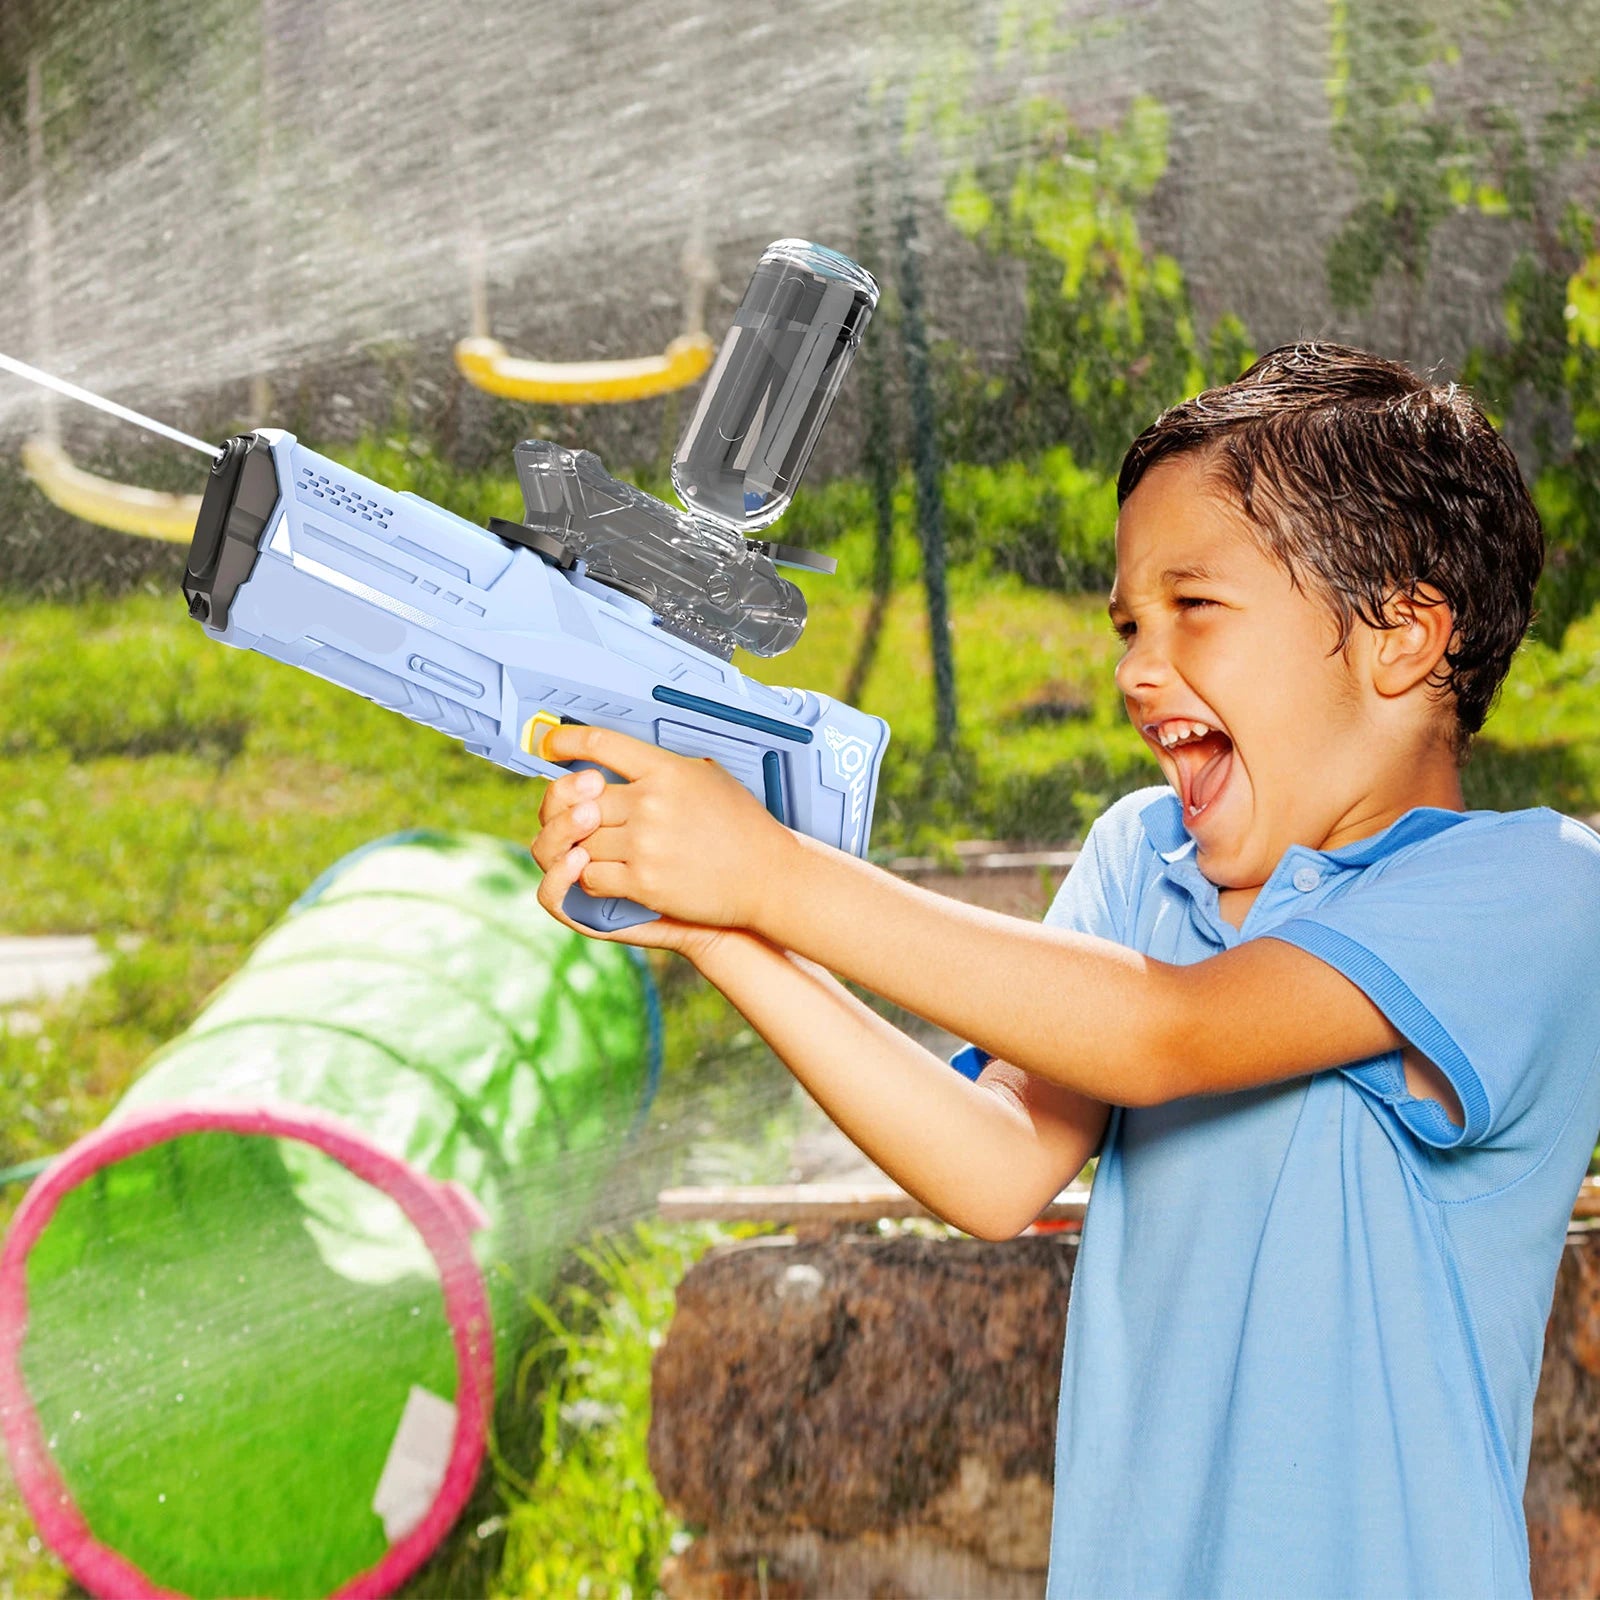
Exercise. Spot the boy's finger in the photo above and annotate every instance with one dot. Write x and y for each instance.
(543, 850)
(563, 831)
(576, 786)
(602, 842)
(583, 741)
(563, 826)
(605, 879)
(562, 793)
(560, 877)
(557, 837)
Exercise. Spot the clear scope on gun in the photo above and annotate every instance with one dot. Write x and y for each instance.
(793, 337)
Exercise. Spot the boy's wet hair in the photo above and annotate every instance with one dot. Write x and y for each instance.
(1366, 482)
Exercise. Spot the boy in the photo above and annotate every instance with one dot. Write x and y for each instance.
(1333, 1036)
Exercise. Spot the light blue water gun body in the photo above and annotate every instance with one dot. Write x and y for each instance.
(452, 626)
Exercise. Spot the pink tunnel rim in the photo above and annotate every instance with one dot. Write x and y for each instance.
(442, 1215)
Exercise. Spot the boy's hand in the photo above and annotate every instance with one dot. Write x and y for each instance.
(665, 933)
(680, 836)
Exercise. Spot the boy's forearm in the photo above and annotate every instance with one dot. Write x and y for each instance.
(1082, 1012)
(971, 1153)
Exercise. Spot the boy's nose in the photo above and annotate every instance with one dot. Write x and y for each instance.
(1143, 667)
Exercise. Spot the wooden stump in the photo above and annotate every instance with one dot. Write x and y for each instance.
(1563, 1498)
(861, 1415)
(867, 1416)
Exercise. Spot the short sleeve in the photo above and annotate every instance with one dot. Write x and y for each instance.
(1091, 899)
(1481, 944)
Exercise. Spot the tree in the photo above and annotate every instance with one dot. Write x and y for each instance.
(1424, 145)
(1109, 338)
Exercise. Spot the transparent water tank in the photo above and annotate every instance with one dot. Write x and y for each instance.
(780, 366)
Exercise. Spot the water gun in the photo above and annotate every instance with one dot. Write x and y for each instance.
(604, 605)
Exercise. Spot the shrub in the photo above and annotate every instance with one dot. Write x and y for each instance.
(1048, 520)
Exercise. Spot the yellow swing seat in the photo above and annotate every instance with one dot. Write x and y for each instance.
(486, 364)
(150, 513)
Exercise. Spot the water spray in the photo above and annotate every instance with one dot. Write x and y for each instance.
(89, 398)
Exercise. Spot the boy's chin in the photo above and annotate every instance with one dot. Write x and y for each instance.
(1225, 855)
(1223, 868)
(1234, 859)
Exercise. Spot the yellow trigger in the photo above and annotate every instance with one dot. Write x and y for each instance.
(534, 731)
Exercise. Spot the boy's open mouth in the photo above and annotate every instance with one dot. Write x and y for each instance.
(1203, 756)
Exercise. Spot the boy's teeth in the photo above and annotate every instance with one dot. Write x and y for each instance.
(1178, 732)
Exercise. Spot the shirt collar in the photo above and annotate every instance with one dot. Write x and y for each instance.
(1163, 826)
(1415, 825)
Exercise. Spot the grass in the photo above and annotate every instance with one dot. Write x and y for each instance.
(171, 798)
(589, 1522)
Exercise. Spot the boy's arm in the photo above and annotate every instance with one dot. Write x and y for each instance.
(1085, 1013)
(985, 1156)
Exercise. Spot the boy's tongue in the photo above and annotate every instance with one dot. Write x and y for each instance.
(1203, 769)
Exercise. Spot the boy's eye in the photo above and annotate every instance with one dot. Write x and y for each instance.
(1124, 630)
(1189, 602)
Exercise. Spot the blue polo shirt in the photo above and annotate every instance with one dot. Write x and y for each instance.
(1307, 1319)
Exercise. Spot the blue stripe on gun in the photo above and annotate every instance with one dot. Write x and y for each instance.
(772, 779)
(746, 719)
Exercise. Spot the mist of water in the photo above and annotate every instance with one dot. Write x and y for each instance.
(319, 180)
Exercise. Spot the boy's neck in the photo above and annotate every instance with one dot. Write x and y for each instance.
(1430, 777)
(1432, 782)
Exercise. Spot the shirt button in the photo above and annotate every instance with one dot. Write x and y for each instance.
(1306, 879)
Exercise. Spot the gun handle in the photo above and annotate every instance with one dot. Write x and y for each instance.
(604, 916)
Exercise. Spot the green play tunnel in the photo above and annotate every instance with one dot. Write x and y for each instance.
(248, 1327)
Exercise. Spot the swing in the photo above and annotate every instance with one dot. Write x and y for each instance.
(486, 364)
(122, 507)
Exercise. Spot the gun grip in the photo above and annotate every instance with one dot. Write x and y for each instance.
(604, 916)
(601, 916)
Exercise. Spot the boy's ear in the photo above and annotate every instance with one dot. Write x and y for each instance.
(1409, 650)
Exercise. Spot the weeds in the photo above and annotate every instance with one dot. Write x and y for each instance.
(590, 1522)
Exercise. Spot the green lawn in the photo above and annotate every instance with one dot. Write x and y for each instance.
(171, 798)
